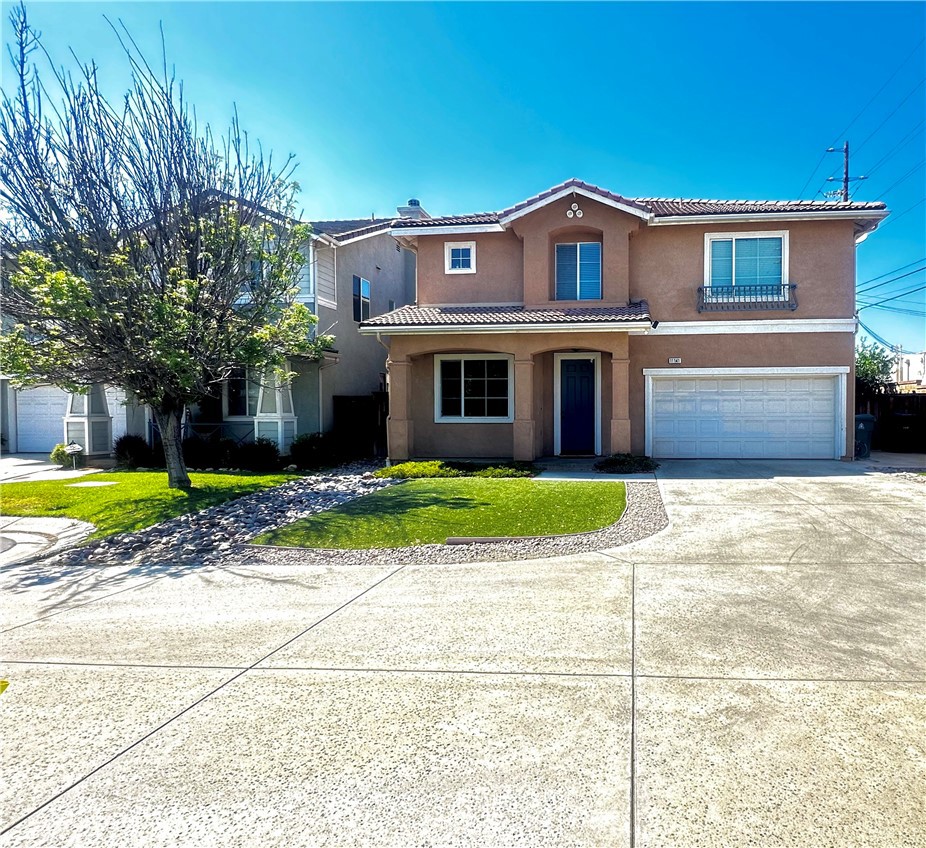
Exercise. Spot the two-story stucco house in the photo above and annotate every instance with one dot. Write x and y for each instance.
(581, 322)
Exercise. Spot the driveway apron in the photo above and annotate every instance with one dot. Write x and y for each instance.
(752, 675)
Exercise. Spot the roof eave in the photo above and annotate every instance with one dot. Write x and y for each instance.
(574, 190)
(635, 327)
(446, 230)
(758, 217)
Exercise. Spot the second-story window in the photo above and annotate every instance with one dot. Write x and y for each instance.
(578, 271)
(753, 260)
(361, 299)
(460, 257)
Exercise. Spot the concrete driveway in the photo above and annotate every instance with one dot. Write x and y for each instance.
(753, 675)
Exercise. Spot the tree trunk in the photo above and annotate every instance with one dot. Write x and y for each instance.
(168, 419)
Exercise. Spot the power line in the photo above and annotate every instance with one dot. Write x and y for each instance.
(895, 148)
(882, 341)
(905, 177)
(860, 113)
(894, 218)
(889, 299)
(894, 280)
(891, 115)
(894, 271)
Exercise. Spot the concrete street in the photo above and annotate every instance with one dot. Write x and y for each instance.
(754, 675)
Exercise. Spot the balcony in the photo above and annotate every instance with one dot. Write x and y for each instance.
(744, 298)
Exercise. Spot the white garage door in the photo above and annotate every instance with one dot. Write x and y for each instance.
(40, 419)
(759, 416)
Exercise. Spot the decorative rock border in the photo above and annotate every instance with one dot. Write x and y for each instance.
(644, 516)
(222, 533)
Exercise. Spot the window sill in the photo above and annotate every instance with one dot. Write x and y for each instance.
(508, 420)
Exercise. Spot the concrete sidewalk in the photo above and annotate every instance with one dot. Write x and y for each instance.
(755, 674)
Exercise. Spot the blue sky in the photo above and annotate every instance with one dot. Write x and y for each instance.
(474, 106)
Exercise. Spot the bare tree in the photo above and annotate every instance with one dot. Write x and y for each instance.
(140, 250)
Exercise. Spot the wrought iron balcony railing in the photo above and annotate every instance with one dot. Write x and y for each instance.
(741, 298)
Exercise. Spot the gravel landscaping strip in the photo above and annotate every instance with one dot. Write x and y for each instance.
(222, 532)
(644, 516)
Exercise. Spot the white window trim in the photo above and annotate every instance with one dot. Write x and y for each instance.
(783, 293)
(557, 397)
(450, 245)
(440, 419)
(578, 245)
(225, 415)
(840, 372)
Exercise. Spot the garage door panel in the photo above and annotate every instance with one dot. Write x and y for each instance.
(39, 419)
(761, 417)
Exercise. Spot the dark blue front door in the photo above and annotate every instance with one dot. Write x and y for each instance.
(577, 406)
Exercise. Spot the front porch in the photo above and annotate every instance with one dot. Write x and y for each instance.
(519, 396)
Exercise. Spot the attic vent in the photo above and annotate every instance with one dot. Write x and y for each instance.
(574, 211)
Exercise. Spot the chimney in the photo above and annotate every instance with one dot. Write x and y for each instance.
(412, 209)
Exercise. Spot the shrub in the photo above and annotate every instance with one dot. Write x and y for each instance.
(626, 463)
(314, 450)
(439, 468)
(59, 455)
(260, 455)
(132, 451)
(213, 452)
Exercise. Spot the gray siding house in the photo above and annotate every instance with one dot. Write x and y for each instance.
(354, 271)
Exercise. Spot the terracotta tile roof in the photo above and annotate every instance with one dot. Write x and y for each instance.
(665, 206)
(573, 183)
(448, 220)
(504, 316)
(659, 207)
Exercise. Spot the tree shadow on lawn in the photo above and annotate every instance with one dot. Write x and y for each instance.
(399, 506)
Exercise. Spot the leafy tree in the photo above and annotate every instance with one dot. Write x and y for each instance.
(874, 367)
(140, 250)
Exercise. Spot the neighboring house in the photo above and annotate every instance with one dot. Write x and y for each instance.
(581, 322)
(910, 372)
(354, 271)
(35, 420)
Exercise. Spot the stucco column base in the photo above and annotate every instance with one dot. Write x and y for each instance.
(620, 435)
(524, 441)
(400, 439)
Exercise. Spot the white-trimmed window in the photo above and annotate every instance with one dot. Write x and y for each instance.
(746, 265)
(473, 388)
(239, 395)
(460, 257)
(578, 271)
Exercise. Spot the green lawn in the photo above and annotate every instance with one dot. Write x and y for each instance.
(139, 498)
(423, 511)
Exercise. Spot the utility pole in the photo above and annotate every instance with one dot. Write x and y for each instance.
(846, 179)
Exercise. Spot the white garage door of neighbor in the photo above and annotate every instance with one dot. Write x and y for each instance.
(748, 417)
(40, 419)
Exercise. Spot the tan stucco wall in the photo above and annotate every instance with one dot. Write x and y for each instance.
(499, 270)
(667, 266)
(618, 350)
(542, 229)
(430, 438)
(661, 264)
(737, 351)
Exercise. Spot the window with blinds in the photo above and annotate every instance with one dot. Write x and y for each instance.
(746, 262)
(578, 271)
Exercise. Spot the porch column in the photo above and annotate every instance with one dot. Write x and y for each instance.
(524, 409)
(620, 405)
(399, 425)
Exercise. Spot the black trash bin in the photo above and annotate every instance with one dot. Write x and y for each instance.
(864, 428)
